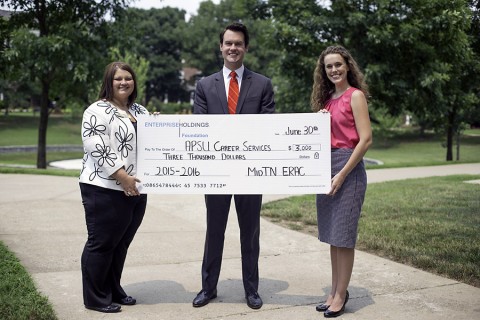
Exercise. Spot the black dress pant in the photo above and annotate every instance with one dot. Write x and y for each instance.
(248, 214)
(112, 220)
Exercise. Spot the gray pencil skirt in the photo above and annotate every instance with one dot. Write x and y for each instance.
(338, 215)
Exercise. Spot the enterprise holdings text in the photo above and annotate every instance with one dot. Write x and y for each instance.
(172, 124)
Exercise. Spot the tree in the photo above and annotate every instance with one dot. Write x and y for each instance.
(418, 55)
(298, 35)
(201, 47)
(43, 45)
(474, 32)
(157, 36)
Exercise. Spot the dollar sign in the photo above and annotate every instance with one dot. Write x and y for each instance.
(289, 148)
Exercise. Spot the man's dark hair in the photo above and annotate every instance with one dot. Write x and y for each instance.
(237, 27)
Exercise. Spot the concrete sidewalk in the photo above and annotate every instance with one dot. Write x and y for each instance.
(42, 222)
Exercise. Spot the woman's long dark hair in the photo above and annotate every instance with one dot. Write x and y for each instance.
(323, 88)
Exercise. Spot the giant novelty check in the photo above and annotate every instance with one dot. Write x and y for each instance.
(234, 154)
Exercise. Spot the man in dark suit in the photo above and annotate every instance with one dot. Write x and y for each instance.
(226, 92)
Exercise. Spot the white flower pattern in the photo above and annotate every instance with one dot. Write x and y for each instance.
(104, 154)
(124, 137)
(109, 143)
(91, 128)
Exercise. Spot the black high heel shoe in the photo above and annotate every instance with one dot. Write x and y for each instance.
(322, 307)
(334, 314)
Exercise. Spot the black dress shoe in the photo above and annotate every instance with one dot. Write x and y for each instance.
(253, 300)
(322, 307)
(113, 308)
(128, 301)
(334, 314)
(203, 298)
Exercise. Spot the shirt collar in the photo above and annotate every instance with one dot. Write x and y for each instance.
(239, 72)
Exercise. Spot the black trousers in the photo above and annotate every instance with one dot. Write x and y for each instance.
(112, 220)
(248, 214)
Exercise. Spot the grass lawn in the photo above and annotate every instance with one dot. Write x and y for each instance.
(23, 130)
(30, 158)
(19, 298)
(429, 223)
(409, 149)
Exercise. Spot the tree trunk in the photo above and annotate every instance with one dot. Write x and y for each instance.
(449, 144)
(450, 132)
(6, 102)
(458, 145)
(42, 127)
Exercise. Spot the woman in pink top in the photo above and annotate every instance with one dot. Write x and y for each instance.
(339, 89)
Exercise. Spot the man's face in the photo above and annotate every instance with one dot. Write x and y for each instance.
(233, 49)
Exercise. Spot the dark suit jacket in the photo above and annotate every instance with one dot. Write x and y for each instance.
(256, 94)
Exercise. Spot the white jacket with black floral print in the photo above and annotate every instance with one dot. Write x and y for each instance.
(109, 143)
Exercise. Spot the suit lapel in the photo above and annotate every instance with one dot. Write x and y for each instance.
(220, 87)
(245, 86)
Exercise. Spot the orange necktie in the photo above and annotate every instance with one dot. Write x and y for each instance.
(233, 92)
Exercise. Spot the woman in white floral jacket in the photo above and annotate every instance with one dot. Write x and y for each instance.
(114, 207)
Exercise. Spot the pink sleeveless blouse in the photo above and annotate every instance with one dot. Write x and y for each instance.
(342, 125)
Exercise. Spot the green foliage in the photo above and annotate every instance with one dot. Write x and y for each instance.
(157, 36)
(175, 108)
(169, 108)
(140, 66)
(382, 125)
(42, 46)
(297, 31)
(19, 298)
(202, 48)
(418, 56)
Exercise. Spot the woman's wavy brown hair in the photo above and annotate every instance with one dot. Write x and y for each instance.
(323, 88)
(106, 91)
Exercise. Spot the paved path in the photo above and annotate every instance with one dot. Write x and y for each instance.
(41, 220)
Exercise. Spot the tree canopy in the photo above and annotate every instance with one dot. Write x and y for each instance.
(157, 36)
(420, 57)
(56, 44)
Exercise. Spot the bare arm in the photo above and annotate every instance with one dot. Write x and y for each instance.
(364, 129)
